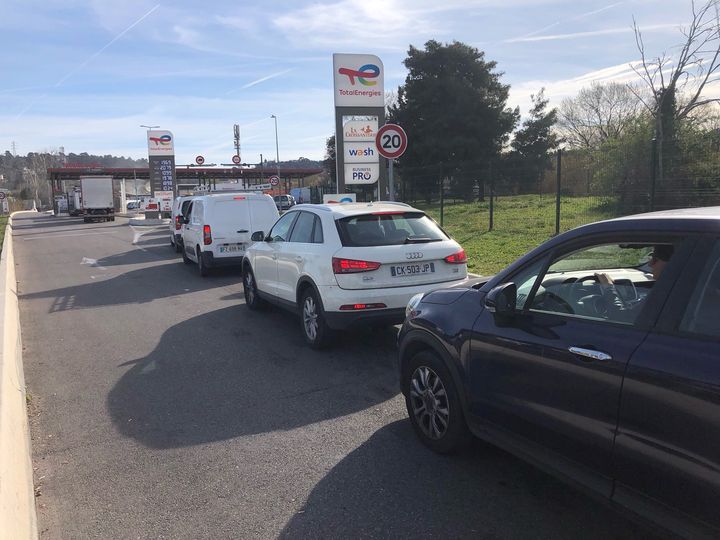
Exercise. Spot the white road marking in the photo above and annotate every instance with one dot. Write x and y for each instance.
(53, 236)
(92, 262)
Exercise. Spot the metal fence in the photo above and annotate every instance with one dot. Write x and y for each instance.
(570, 187)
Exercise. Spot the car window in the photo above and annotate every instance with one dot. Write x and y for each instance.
(303, 229)
(318, 232)
(524, 281)
(388, 228)
(185, 208)
(281, 229)
(608, 282)
(703, 310)
(197, 213)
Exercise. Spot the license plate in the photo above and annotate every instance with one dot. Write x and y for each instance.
(232, 248)
(416, 269)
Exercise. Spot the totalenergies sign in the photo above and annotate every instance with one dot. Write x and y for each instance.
(160, 143)
(359, 80)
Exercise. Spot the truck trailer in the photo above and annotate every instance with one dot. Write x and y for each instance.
(97, 198)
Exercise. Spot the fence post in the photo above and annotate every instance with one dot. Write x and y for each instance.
(557, 191)
(442, 201)
(653, 173)
(492, 198)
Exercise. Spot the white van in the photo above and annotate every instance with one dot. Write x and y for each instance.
(180, 208)
(217, 228)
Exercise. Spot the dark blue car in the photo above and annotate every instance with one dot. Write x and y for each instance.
(596, 356)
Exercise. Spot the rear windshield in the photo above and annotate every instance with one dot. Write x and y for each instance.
(388, 229)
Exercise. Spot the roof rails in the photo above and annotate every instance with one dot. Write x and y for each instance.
(323, 207)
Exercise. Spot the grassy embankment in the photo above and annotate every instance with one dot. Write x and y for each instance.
(521, 223)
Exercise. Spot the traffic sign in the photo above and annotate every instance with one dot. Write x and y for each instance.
(236, 159)
(391, 141)
(199, 160)
(274, 180)
(2, 195)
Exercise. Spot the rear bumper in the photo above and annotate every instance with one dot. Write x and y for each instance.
(394, 298)
(211, 261)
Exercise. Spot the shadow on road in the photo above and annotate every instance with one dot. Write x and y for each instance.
(392, 487)
(136, 286)
(231, 372)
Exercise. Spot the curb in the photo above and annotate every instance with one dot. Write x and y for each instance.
(18, 518)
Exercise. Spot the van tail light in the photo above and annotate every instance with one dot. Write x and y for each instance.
(457, 258)
(207, 235)
(177, 222)
(360, 307)
(351, 266)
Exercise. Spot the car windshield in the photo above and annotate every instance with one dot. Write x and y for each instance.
(388, 228)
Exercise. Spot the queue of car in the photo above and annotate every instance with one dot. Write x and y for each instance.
(596, 356)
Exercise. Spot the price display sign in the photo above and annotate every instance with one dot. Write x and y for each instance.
(162, 173)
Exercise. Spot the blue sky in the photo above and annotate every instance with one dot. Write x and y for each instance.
(85, 74)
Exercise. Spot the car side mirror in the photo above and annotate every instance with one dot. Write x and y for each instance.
(186, 220)
(257, 236)
(502, 299)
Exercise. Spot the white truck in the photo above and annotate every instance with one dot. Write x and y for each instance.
(97, 198)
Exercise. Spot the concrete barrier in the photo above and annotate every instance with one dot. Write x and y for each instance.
(18, 519)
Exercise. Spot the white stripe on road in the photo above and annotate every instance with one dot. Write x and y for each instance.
(62, 236)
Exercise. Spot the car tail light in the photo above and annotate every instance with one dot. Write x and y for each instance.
(457, 258)
(358, 307)
(177, 222)
(207, 235)
(351, 266)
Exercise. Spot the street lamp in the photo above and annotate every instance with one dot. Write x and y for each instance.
(277, 148)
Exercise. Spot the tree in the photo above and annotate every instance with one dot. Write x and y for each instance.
(598, 113)
(330, 162)
(535, 140)
(453, 108)
(676, 82)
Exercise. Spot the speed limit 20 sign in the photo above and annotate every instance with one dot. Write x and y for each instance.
(391, 141)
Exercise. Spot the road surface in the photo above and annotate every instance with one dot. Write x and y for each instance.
(162, 408)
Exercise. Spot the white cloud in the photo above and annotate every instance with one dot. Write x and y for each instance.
(592, 33)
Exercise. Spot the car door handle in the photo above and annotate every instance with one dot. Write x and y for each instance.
(590, 354)
(242, 231)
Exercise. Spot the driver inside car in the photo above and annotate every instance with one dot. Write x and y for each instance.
(659, 258)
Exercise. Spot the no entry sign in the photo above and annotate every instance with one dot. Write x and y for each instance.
(391, 141)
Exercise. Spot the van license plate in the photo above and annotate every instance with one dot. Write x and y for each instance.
(405, 270)
(232, 248)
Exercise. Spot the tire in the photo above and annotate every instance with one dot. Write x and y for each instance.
(177, 246)
(112, 218)
(86, 220)
(433, 404)
(252, 299)
(186, 259)
(314, 329)
(203, 270)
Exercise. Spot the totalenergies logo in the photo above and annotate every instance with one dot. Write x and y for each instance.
(368, 71)
(163, 140)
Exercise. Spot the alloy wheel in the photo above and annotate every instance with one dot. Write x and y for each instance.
(429, 401)
(310, 318)
(249, 288)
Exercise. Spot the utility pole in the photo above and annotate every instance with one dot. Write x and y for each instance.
(261, 168)
(236, 133)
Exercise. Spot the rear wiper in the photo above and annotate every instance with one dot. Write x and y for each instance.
(420, 240)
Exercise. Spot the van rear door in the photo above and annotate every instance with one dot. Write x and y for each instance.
(230, 226)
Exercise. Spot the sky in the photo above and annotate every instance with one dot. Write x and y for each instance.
(86, 74)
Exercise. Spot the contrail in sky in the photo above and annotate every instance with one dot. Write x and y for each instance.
(86, 62)
(98, 53)
(263, 79)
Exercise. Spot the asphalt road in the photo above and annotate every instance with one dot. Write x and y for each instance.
(162, 408)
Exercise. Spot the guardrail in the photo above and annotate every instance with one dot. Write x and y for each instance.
(18, 519)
